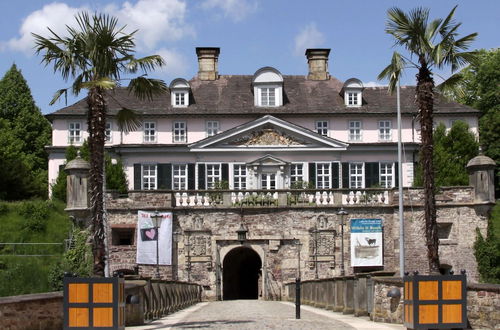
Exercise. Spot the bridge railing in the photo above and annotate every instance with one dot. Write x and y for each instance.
(149, 299)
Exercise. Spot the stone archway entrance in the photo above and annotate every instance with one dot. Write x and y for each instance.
(241, 274)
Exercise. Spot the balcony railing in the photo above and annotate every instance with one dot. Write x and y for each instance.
(277, 198)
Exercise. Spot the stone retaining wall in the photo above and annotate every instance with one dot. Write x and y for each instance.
(32, 311)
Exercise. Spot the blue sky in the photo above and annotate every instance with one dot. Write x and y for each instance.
(250, 33)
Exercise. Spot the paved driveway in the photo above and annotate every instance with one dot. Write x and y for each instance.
(258, 314)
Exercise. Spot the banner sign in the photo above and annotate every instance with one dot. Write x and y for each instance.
(366, 242)
(148, 236)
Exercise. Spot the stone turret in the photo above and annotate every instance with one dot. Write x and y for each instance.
(482, 177)
(77, 192)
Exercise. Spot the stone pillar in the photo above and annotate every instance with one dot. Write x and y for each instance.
(482, 177)
(317, 60)
(77, 192)
(208, 63)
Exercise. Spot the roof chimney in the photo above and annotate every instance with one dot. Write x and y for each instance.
(317, 59)
(208, 60)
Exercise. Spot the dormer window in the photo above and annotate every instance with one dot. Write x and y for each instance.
(353, 92)
(268, 87)
(179, 93)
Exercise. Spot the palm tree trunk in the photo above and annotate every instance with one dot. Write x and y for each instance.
(425, 100)
(96, 128)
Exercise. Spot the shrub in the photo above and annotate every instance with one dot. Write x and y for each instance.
(36, 214)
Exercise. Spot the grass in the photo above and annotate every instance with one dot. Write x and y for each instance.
(30, 222)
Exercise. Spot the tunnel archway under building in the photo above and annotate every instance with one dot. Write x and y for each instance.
(241, 274)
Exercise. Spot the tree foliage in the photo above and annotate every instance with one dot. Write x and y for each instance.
(452, 151)
(28, 126)
(487, 249)
(426, 45)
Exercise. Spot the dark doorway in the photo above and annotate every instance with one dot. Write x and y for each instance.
(241, 274)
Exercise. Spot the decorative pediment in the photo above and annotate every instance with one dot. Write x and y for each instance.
(268, 160)
(268, 133)
(267, 136)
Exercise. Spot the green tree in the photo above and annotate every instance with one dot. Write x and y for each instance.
(15, 179)
(481, 86)
(487, 250)
(429, 45)
(28, 124)
(95, 55)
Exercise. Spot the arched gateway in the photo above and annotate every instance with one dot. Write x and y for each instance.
(241, 274)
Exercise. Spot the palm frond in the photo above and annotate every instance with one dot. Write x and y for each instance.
(452, 86)
(146, 64)
(127, 120)
(104, 83)
(58, 94)
(146, 88)
(393, 71)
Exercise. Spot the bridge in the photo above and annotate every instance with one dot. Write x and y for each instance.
(260, 314)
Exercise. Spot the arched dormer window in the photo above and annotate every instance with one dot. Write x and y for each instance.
(268, 87)
(179, 93)
(353, 92)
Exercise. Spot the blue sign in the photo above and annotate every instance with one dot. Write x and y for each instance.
(366, 225)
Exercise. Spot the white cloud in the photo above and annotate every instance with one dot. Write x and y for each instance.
(236, 10)
(373, 84)
(308, 37)
(156, 20)
(176, 65)
(56, 15)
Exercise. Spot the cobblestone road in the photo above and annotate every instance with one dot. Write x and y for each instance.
(258, 314)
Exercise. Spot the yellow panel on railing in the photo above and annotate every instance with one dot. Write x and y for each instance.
(452, 290)
(103, 317)
(102, 292)
(78, 293)
(428, 290)
(78, 317)
(428, 314)
(452, 313)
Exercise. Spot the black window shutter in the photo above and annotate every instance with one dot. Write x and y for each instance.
(201, 176)
(312, 174)
(371, 175)
(191, 178)
(164, 176)
(335, 175)
(137, 177)
(225, 172)
(396, 171)
(345, 175)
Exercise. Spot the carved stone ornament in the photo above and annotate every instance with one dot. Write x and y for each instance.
(266, 136)
(200, 244)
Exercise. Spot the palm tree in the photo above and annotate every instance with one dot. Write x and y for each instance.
(94, 55)
(429, 45)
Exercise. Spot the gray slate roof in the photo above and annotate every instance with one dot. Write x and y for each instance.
(233, 95)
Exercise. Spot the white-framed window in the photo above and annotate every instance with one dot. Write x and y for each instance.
(181, 99)
(107, 132)
(149, 177)
(267, 96)
(296, 174)
(385, 130)
(239, 177)
(323, 176)
(322, 127)
(149, 131)
(353, 98)
(179, 176)
(386, 175)
(74, 132)
(179, 132)
(212, 127)
(213, 175)
(268, 181)
(354, 130)
(355, 175)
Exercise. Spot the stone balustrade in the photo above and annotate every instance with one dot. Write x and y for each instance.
(290, 198)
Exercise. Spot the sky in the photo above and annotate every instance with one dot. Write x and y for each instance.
(251, 34)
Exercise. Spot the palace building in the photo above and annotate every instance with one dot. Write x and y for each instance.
(274, 157)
